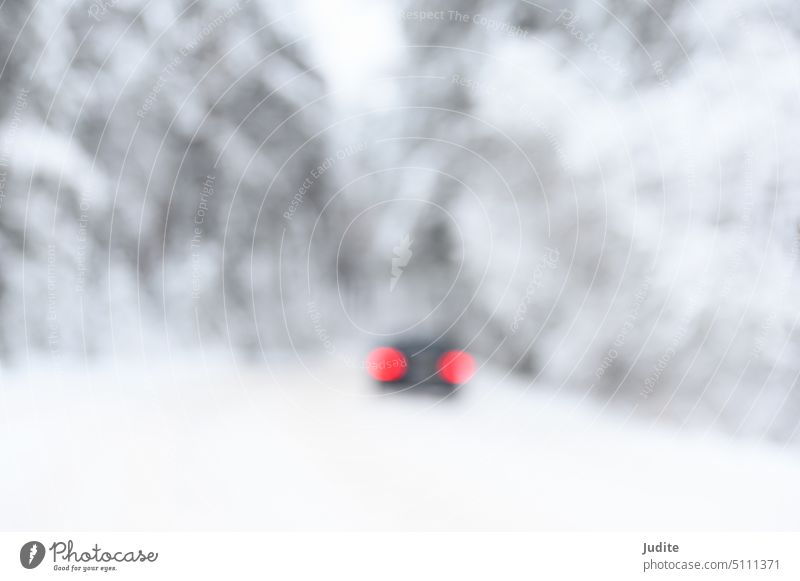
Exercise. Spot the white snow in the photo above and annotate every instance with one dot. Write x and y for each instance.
(184, 447)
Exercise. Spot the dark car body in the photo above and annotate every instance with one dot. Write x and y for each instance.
(428, 365)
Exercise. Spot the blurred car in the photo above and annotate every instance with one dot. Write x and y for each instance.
(420, 363)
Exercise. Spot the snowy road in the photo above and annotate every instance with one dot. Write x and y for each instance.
(215, 449)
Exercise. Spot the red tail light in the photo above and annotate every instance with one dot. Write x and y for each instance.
(387, 364)
(456, 367)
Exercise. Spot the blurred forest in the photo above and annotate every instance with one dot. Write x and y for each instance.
(601, 197)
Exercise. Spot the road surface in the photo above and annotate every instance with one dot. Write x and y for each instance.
(185, 446)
